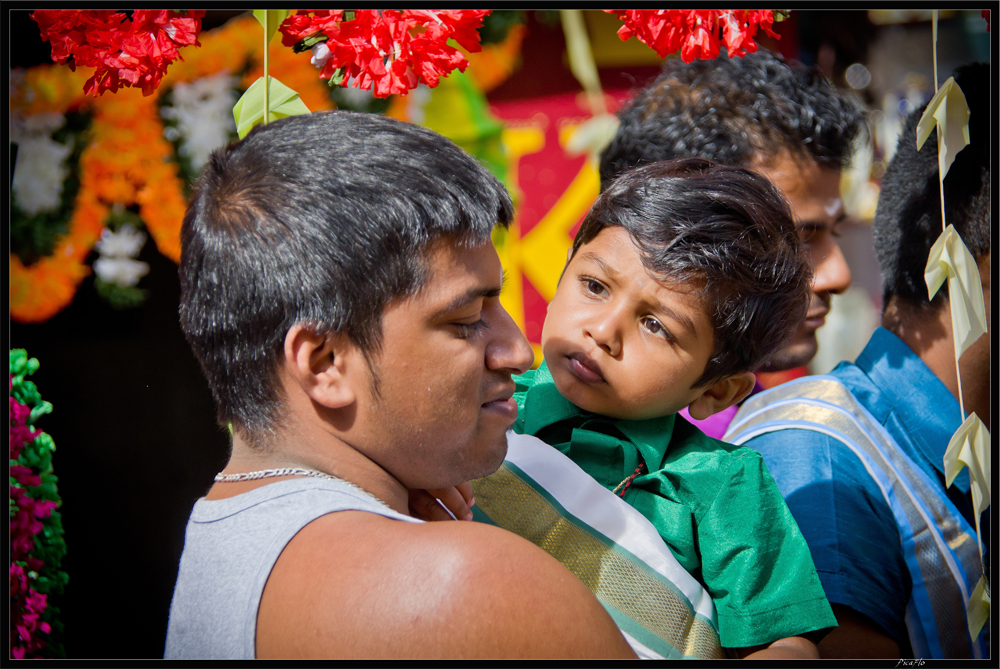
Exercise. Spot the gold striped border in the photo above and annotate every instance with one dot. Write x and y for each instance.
(614, 578)
(944, 593)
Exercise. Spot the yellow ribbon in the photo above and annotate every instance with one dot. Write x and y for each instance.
(979, 607)
(948, 112)
(970, 447)
(950, 259)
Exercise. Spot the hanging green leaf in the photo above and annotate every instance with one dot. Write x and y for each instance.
(249, 111)
(270, 19)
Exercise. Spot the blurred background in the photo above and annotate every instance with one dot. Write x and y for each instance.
(133, 419)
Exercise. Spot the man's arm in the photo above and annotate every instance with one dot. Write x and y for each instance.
(354, 584)
(789, 648)
(856, 636)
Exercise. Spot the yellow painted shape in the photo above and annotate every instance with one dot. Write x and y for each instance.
(517, 142)
(543, 250)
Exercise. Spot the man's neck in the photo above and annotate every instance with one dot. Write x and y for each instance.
(309, 447)
(928, 333)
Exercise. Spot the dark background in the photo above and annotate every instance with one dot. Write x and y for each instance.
(133, 419)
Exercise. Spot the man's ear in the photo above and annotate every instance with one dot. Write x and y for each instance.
(722, 394)
(319, 364)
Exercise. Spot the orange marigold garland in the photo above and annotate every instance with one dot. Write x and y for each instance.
(128, 162)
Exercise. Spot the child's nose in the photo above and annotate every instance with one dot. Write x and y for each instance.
(605, 330)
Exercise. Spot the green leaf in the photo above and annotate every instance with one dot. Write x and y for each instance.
(270, 19)
(249, 111)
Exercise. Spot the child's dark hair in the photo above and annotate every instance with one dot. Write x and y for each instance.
(724, 230)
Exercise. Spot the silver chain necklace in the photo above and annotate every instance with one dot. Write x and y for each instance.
(291, 471)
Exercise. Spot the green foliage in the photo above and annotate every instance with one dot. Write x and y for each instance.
(549, 17)
(498, 23)
(120, 297)
(50, 546)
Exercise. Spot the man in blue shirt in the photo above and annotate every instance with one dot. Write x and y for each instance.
(853, 511)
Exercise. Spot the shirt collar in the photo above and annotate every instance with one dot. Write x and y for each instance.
(917, 396)
(544, 406)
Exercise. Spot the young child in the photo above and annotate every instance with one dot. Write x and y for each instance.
(682, 279)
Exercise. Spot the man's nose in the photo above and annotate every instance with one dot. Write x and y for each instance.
(831, 273)
(509, 349)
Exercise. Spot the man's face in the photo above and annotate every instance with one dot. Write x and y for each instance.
(444, 398)
(617, 341)
(814, 195)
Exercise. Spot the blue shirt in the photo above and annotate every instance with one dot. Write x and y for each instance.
(850, 529)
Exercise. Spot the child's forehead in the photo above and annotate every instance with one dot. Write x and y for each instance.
(620, 262)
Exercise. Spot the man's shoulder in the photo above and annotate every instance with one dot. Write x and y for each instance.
(450, 589)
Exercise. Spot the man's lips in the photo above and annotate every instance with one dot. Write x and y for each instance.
(585, 369)
(503, 403)
(816, 319)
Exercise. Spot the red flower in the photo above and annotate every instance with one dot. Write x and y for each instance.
(986, 15)
(696, 33)
(391, 51)
(124, 53)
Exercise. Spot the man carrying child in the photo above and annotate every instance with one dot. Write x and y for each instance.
(683, 277)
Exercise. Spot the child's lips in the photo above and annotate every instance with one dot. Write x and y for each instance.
(585, 369)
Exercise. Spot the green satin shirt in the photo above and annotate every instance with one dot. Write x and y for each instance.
(715, 505)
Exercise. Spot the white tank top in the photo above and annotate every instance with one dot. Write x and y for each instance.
(230, 546)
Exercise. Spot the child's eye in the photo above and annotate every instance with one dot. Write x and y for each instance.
(593, 286)
(654, 327)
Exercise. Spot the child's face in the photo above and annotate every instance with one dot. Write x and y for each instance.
(620, 343)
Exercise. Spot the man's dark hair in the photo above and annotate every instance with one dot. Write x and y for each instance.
(321, 219)
(908, 216)
(735, 111)
(724, 231)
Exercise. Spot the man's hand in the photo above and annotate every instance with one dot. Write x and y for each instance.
(431, 504)
(789, 648)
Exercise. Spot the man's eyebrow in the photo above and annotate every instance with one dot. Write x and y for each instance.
(819, 223)
(470, 296)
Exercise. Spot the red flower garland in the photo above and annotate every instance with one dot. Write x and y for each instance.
(388, 52)
(124, 53)
(695, 32)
